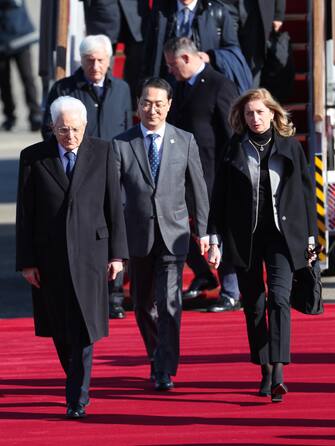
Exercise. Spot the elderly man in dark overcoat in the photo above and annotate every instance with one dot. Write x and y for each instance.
(108, 104)
(70, 239)
(106, 98)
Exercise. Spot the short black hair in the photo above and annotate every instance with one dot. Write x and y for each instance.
(154, 82)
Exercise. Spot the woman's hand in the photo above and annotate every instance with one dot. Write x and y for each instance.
(214, 256)
(311, 254)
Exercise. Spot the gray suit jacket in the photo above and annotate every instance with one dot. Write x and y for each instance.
(180, 168)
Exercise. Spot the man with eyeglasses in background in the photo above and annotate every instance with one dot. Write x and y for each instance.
(156, 163)
(71, 238)
(109, 112)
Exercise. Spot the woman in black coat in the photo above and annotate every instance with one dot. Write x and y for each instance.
(263, 206)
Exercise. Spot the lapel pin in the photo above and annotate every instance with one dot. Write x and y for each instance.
(172, 141)
(202, 80)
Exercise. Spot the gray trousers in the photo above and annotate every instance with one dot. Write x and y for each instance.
(156, 290)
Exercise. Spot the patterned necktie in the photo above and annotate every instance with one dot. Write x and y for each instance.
(184, 29)
(71, 160)
(153, 155)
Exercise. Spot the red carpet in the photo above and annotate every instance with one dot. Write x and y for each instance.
(214, 401)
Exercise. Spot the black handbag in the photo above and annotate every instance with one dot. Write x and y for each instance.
(306, 294)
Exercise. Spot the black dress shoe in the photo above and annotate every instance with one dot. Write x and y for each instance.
(116, 312)
(277, 392)
(35, 120)
(163, 381)
(225, 303)
(198, 285)
(75, 412)
(8, 124)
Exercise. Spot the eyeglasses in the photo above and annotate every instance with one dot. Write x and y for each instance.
(158, 106)
(66, 130)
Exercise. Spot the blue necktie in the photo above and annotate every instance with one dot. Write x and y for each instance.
(99, 91)
(71, 160)
(184, 29)
(153, 155)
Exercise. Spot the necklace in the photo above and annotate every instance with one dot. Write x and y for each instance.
(261, 147)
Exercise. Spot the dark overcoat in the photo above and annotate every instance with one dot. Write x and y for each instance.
(212, 29)
(204, 111)
(107, 117)
(69, 231)
(260, 23)
(232, 206)
(105, 17)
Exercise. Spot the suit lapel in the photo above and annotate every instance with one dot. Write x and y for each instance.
(238, 159)
(54, 165)
(167, 148)
(140, 152)
(83, 165)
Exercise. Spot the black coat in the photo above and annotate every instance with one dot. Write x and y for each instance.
(232, 206)
(259, 23)
(107, 117)
(69, 231)
(105, 17)
(204, 112)
(206, 32)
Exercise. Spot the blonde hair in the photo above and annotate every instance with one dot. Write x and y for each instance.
(281, 120)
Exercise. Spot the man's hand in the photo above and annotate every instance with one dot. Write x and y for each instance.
(32, 275)
(114, 267)
(204, 244)
(214, 256)
(276, 25)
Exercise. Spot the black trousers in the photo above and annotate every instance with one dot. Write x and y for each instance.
(23, 61)
(269, 338)
(76, 360)
(156, 290)
(74, 349)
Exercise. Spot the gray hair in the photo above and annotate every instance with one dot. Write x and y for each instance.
(67, 104)
(90, 44)
(179, 45)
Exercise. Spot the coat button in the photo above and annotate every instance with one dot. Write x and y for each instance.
(283, 218)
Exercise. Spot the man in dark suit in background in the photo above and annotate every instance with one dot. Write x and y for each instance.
(155, 161)
(122, 21)
(254, 20)
(108, 104)
(209, 24)
(70, 236)
(201, 104)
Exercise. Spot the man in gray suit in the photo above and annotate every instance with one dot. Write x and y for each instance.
(156, 163)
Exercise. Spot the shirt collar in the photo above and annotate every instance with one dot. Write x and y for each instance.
(191, 6)
(192, 79)
(62, 151)
(96, 84)
(147, 132)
